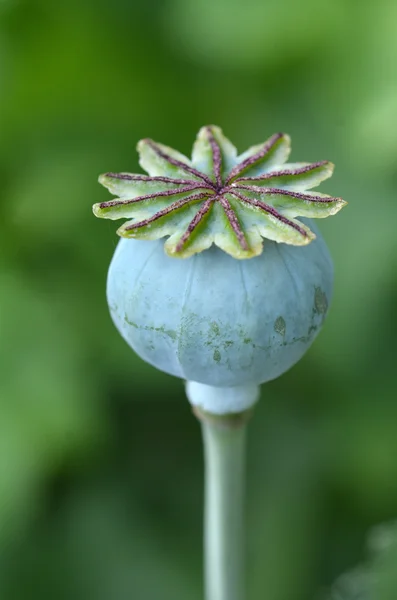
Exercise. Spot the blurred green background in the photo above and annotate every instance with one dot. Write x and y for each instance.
(100, 458)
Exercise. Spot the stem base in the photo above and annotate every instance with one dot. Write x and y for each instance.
(224, 449)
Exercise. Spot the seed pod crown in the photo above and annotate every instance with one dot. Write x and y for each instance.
(219, 197)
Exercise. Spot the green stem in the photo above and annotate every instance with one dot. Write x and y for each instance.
(224, 449)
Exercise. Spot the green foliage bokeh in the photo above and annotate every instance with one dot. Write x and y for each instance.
(100, 458)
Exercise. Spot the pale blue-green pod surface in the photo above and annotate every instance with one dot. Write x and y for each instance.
(216, 320)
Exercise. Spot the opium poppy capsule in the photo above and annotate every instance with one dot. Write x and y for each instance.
(241, 288)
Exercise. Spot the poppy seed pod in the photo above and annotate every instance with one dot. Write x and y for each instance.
(213, 317)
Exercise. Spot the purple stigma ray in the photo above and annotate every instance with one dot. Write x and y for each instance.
(270, 210)
(234, 222)
(286, 172)
(178, 163)
(162, 213)
(205, 207)
(164, 194)
(148, 178)
(216, 158)
(251, 160)
(280, 192)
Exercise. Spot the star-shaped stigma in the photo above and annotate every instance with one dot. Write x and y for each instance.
(218, 197)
